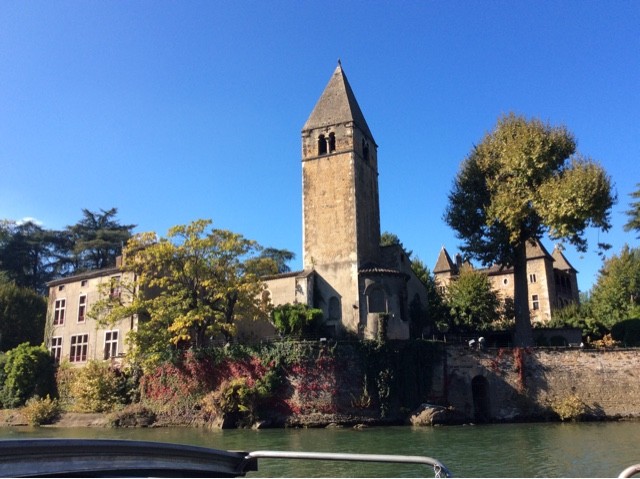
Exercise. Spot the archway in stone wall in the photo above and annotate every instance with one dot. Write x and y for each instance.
(481, 404)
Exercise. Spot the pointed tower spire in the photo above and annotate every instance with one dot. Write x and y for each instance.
(337, 105)
(444, 263)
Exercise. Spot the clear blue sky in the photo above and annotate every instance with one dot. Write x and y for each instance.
(174, 111)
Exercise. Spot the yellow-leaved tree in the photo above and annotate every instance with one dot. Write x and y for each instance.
(190, 288)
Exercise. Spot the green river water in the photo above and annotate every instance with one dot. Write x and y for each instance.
(505, 450)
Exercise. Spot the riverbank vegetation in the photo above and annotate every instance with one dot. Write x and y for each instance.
(284, 383)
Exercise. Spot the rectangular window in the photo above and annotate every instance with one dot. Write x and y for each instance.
(79, 346)
(56, 348)
(110, 344)
(58, 311)
(535, 302)
(82, 308)
(532, 278)
(84, 282)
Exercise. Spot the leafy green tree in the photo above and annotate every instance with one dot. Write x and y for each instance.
(634, 213)
(390, 239)
(522, 180)
(191, 286)
(22, 315)
(32, 255)
(473, 304)
(96, 240)
(579, 315)
(27, 371)
(280, 258)
(435, 312)
(616, 294)
(297, 320)
(27, 254)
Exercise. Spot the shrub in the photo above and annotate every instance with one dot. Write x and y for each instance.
(65, 378)
(97, 388)
(240, 397)
(39, 411)
(28, 371)
(607, 342)
(296, 319)
(176, 389)
(569, 408)
(230, 397)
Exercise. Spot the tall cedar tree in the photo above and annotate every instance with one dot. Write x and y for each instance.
(31, 255)
(522, 180)
(97, 239)
(28, 254)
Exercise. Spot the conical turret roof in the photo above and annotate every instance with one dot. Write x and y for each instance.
(444, 263)
(560, 260)
(535, 250)
(337, 104)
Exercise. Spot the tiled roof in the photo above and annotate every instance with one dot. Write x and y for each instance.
(376, 269)
(96, 273)
(288, 274)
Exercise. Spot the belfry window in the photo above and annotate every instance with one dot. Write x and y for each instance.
(322, 145)
(365, 151)
(332, 142)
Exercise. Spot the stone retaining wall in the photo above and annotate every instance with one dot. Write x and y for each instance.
(509, 384)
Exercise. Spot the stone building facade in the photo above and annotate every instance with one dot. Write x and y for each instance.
(346, 272)
(552, 281)
(71, 334)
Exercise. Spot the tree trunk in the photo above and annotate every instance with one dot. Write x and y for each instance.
(524, 332)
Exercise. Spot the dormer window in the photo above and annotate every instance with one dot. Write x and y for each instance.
(332, 142)
(322, 145)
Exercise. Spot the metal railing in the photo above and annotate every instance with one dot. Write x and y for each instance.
(440, 470)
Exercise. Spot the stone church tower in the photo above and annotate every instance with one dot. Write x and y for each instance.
(346, 272)
(340, 181)
(341, 214)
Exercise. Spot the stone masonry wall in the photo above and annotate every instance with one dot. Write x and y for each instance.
(523, 383)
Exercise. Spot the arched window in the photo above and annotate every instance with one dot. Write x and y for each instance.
(332, 142)
(377, 301)
(335, 311)
(322, 145)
